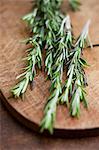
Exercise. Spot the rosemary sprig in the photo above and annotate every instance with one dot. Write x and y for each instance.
(41, 20)
(60, 56)
(76, 79)
(34, 59)
(52, 26)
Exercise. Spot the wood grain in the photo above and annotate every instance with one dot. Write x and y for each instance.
(14, 136)
(12, 52)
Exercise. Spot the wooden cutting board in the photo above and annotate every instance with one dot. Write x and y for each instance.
(30, 111)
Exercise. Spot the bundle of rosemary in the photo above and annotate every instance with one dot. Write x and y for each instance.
(44, 24)
(52, 32)
(67, 55)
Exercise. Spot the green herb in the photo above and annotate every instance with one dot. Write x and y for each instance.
(44, 23)
(51, 32)
(34, 59)
(52, 25)
(76, 79)
(62, 47)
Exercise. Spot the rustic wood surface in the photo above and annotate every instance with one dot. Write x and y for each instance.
(12, 52)
(14, 136)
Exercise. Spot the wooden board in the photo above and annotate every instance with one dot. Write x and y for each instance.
(30, 111)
